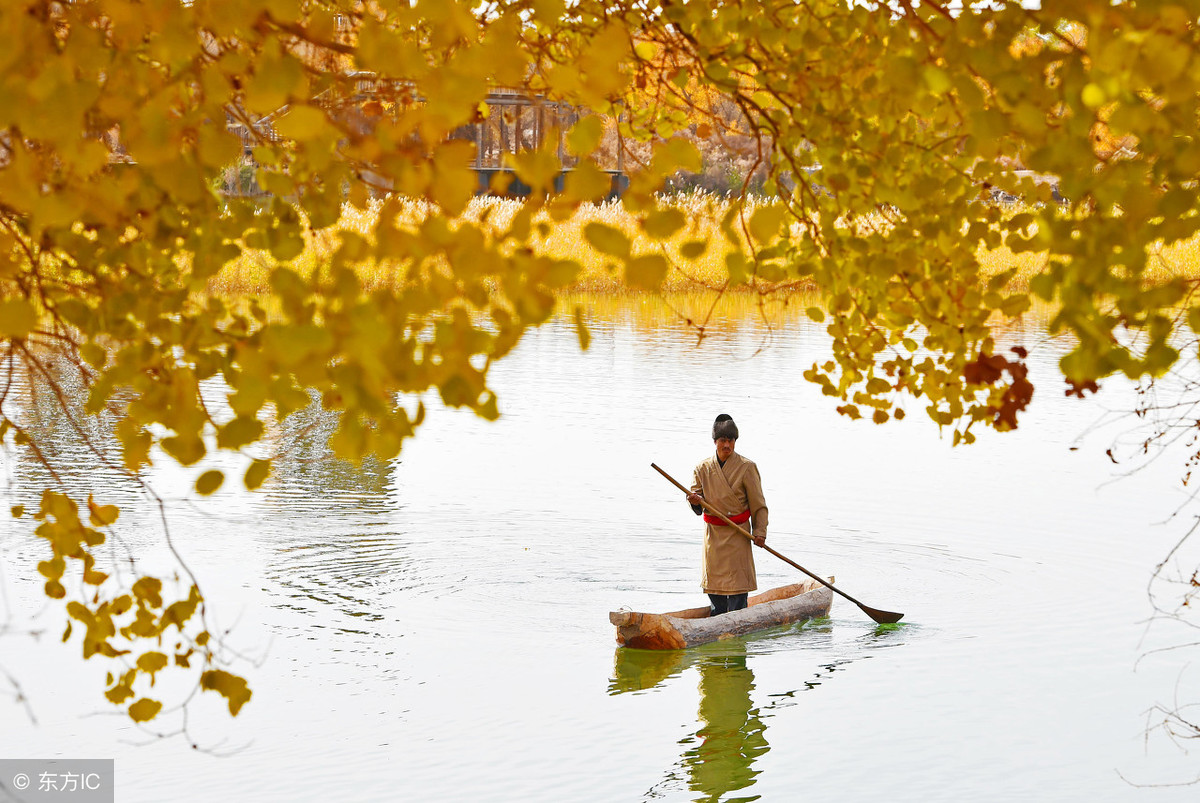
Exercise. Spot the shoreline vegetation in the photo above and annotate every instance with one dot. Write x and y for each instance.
(249, 275)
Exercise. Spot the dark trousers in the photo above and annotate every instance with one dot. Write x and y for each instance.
(724, 603)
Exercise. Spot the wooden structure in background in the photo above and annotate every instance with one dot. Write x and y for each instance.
(515, 121)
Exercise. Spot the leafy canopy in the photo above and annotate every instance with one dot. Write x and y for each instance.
(883, 130)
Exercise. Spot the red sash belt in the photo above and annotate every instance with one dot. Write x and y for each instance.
(740, 518)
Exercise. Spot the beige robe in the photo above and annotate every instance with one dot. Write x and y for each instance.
(731, 489)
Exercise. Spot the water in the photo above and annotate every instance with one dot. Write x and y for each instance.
(436, 628)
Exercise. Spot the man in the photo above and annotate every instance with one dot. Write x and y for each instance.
(730, 483)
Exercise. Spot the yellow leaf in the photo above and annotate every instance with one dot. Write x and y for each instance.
(937, 80)
(537, 168)
(645, 50)
(102, 515)
(144, 710)
(301, 123)
(241, 431)
(186, 449)
(677, 154)
(584, 137)
(662, 223)
(765, 222)
(209, 482)
(256, 475)
(17, 318)
(231, 687)
(277, 78)
(585, 337)
(587, 182)
(606, 239)
(601, 65)
(119, 693)
(454, 181)
(151, 662)
(1093, 96)
(693, 249)
(646, 272)
(149, 590)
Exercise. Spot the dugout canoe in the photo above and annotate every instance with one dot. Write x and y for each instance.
(681, 629)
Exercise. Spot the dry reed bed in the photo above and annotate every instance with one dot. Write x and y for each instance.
(564, 239)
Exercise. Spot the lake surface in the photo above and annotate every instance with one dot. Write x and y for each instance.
(436, 628)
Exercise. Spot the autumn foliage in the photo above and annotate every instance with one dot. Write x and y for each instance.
(880, 134)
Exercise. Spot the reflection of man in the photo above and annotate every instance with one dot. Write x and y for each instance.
(732, 733)
(731, 484)
(720, 758)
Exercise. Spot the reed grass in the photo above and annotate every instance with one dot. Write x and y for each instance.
(250, 274)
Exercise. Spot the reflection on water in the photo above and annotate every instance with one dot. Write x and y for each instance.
(434, 625)
(731, 734)
(721, 754)
(333, 554)
(81, 449)
(306, 470)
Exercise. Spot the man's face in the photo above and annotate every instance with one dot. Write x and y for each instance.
(725, 448)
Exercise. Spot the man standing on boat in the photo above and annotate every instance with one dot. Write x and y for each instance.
(730, 483)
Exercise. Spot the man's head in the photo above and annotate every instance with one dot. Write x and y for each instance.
(725, 434)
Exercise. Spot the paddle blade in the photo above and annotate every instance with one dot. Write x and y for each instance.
(882, 617)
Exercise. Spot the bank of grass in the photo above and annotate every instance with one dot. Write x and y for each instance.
(563, 239)
(599, 276)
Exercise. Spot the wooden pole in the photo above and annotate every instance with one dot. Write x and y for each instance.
(882, 617)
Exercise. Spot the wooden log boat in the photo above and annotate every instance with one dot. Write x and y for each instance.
(680, 629)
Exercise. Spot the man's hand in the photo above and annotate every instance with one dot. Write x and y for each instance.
(760, 540)
(694, 499)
